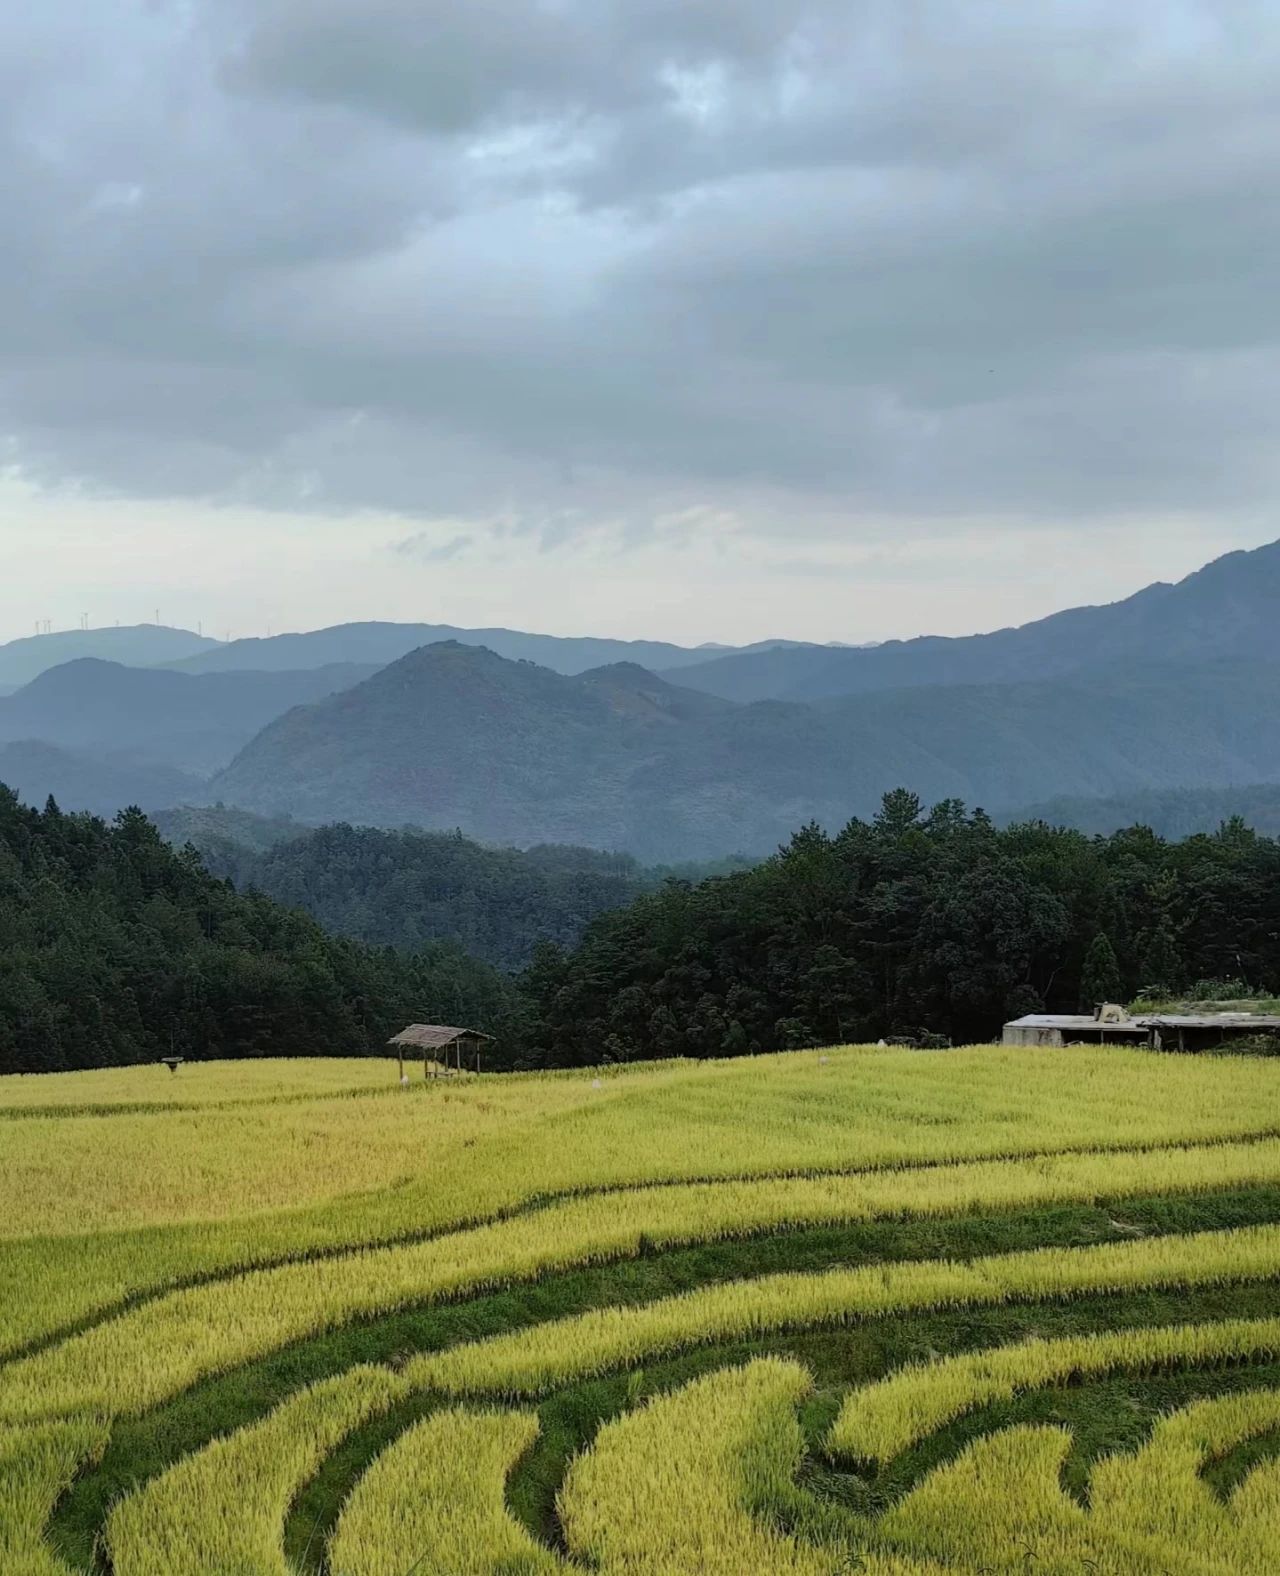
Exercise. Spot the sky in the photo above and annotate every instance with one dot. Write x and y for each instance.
(836, 320)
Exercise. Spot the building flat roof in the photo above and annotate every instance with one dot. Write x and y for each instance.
(1058, 1020)
(1145, 1021)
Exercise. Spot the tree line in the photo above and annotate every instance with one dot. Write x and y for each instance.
(117, 948)
(916, 920)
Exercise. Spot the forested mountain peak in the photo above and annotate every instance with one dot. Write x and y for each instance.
(455, 736)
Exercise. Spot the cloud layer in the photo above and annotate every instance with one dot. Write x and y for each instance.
(548, 266)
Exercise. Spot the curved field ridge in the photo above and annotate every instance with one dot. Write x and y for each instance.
(648, 1322)
(160, 1348)
(608, 1338)
(432, 1503)
(878, 1422)
(223, 1509)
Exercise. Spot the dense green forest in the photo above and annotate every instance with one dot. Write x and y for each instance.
(407, 888)
(115, 948)
(938, 920)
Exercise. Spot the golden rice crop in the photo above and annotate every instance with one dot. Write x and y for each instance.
(251, 1212)
(222, 1510)
(670, 1488)
(146, 1201)
(1000, 1505)
(571, 1349)
(493, 1142)
(159, 1349)
(152, 1087)
(1159, 1494)
(432, 1503)
(879, 1420)
(36, 1465)
(49, 1289)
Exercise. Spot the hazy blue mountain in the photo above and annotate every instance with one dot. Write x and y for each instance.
(138, 645)
(456, 736)
(102, 784)
(195, 722)
(1230, 609)
(379, 643)
(208, 825)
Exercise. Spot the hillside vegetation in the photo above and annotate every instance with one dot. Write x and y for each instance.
(116, 948)
(1171, 812)
(403, 889)
(935, 919)
(909, 1314)
(116, 945)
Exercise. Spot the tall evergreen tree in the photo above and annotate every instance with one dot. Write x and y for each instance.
(1100, 977)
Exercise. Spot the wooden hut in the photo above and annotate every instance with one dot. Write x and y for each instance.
(443, 1040)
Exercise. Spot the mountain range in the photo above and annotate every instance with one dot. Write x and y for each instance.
(1231, 608)
(620, 758)
(370, 645)
(1174, 688)
(154, 716)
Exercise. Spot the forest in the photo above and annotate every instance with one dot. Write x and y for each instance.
(916, 919)
(117, 948)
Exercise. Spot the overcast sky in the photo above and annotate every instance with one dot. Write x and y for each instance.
(835, 318)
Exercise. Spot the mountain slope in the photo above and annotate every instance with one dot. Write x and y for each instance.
(99, 784)
(380, 643)
(454, 736)
(1229, 609)
(139, 645)
(193, 722)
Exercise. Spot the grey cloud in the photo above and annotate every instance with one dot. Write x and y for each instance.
(571, 262)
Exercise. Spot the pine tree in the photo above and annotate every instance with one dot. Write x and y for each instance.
(1161, 962)
(1100, 977)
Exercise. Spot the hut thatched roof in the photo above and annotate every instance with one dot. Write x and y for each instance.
(434, 1036)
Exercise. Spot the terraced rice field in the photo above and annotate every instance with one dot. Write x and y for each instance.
(865, 1310)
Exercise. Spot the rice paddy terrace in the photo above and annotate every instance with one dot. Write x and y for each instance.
(864, 1310)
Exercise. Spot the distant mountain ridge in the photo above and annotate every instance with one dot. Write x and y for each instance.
(193, 722)
(137, 645)
(93, 782)
(369, 644)
(456, 736)
(381, 643)
(1229, 609)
